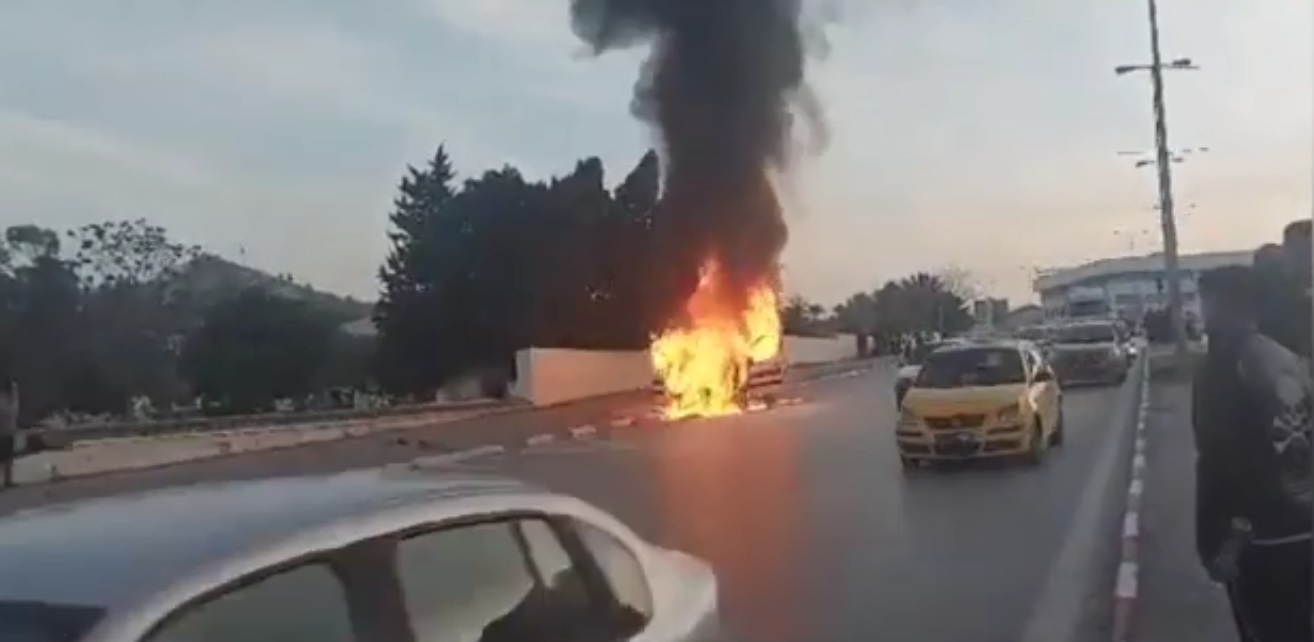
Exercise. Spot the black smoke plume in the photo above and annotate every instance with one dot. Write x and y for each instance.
(718, 86)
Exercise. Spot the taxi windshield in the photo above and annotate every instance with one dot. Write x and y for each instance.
(970, 368)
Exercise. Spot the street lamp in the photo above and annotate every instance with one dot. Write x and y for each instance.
(1163, 162)
(1175, 155)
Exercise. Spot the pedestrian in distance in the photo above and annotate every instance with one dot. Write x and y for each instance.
(8, 430)
(1251, 414)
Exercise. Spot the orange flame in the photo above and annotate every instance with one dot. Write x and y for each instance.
(704, 367)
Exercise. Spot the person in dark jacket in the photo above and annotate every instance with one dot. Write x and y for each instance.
(1251, 417)
(8, 429)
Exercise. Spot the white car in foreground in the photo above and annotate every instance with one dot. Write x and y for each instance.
(397, 555)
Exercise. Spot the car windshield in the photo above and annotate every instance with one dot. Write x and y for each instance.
(43, 622)
(1092, 333)
(972, 367)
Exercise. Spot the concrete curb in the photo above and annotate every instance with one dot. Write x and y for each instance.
(1126, 588)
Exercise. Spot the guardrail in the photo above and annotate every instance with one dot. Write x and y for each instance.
(59, 437)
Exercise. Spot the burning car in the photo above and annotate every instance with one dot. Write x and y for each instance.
(726, 349)
(1088, 352)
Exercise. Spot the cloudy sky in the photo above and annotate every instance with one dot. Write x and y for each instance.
(978, 134)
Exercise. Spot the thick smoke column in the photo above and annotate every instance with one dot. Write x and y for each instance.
(718, 86)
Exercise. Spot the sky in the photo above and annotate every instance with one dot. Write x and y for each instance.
(978, 135)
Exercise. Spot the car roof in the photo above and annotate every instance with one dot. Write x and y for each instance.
(985, 344)
(115, 550)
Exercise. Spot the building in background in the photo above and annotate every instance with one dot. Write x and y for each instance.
(1126, 287)
(990, 313)
(1024, 316)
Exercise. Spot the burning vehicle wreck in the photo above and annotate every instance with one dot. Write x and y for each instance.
(723, 88)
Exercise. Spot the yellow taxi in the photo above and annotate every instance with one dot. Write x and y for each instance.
(985, 399)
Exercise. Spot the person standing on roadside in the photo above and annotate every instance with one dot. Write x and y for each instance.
(8, 430)
(1298, 256)
(1285, 311)
(1251, 414)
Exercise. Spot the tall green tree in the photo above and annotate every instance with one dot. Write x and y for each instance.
(503, 263)
(409, 306)
(138, 306)
(41, 324)
(255, 348)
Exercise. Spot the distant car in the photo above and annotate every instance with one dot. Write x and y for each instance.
(1089, 352)
(909, 367)
(981, 400)
(399, 555)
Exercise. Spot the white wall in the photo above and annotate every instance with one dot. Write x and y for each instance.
(548, 376)
(818, 350)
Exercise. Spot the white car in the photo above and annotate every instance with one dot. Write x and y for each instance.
(394, 555)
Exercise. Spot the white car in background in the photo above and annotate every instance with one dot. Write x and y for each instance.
(397, 555)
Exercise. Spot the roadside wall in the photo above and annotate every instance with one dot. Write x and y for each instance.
(548, 376)
(820, 350)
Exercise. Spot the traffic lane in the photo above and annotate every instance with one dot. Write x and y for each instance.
(510, 430)
(815, 531)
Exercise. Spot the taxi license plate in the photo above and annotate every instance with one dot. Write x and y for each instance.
(962, 443)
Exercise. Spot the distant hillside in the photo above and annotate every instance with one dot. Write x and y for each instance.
(210, 277)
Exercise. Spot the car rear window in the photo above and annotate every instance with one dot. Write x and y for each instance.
(1093, 333)
(920, 353)
(44, 622)
(971, 367)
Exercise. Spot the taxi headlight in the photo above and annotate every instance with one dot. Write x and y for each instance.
(1010, 413)
(908, 418)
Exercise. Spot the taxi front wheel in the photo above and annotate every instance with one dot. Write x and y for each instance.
(1056, 439)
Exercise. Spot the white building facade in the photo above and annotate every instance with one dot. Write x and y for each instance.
(1131, 286)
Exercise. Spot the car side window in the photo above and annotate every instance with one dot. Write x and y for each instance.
(304, 604)
(621, 567)
(504, 580)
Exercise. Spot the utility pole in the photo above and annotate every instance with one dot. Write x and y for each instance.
(1163, 161)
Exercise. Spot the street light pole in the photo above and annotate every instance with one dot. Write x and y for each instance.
(1166, 218)
(1164, 160)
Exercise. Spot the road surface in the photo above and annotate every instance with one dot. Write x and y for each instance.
(815, 531)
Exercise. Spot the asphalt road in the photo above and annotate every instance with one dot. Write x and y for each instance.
(813, 528)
